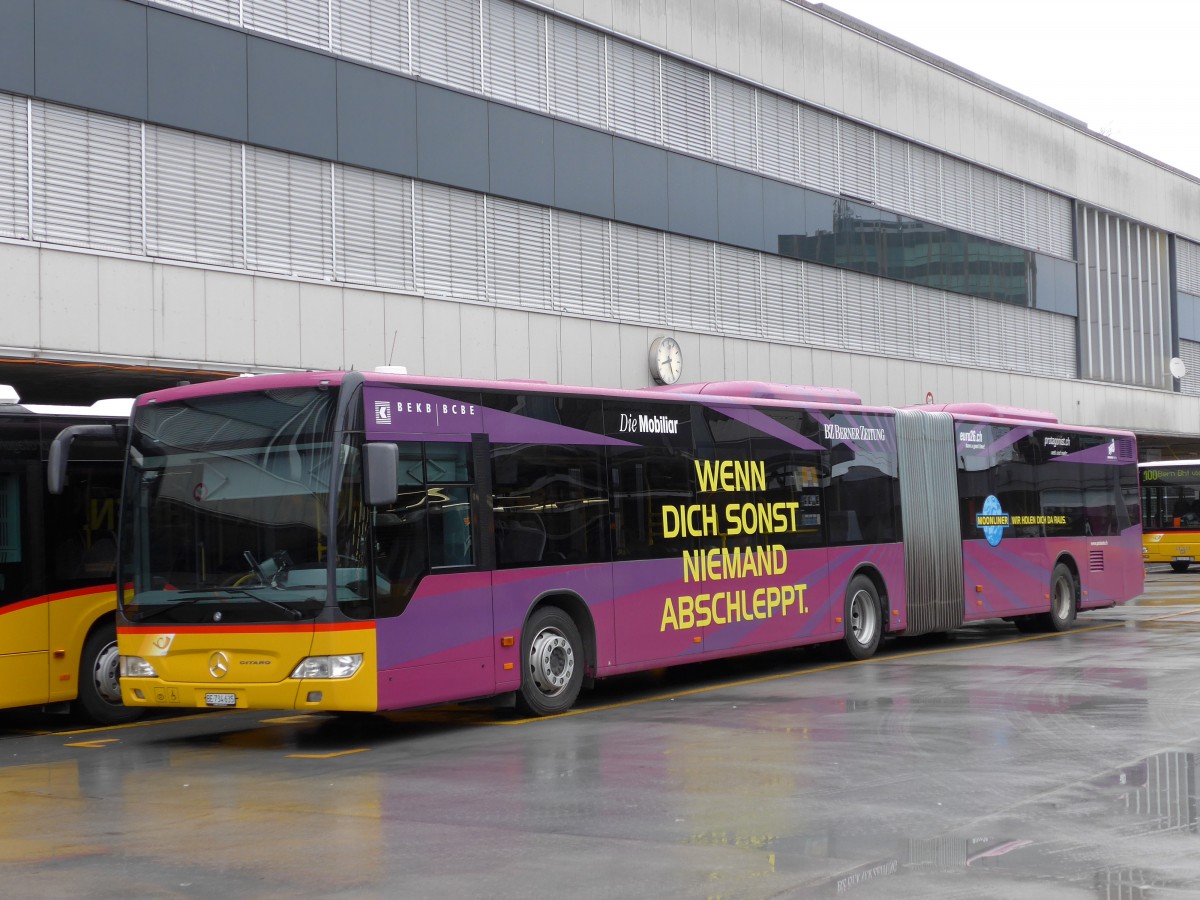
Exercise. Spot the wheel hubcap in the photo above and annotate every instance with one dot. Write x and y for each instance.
(862, 617)
(1062, 598)
(106, 674)
(551, 661)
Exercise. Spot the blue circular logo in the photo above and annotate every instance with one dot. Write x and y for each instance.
(992, 510)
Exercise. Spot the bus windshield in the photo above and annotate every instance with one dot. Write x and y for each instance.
(225, 508)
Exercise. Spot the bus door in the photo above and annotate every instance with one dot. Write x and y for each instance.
(24, 616)
(433, 602)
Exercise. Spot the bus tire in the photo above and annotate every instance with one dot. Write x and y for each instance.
(1063, 600)
(99, 700)
(863, 618)
(552, 663)
(1179, 566)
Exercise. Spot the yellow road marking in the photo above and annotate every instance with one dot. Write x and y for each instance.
(94, 745)
(326, 755)
(140, 724)
(287, 720)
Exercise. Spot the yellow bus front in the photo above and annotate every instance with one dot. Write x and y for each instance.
(311, 666)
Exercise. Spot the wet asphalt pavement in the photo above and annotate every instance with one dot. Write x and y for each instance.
(989, 764)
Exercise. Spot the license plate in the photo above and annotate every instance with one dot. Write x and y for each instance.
(1183, 559)
(220, 700)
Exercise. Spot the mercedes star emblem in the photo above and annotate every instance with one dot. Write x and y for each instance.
(218, 664)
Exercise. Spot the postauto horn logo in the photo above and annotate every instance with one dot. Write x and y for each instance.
(993, 520)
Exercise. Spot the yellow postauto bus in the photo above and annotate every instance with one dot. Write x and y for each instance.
(1171, 512)
(57, 560)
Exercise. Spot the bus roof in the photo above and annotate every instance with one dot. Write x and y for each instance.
(738, 393)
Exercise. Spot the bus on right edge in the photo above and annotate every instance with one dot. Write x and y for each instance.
(1170, 512)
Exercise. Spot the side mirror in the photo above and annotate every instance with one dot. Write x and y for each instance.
(60, 449)
(381, 470)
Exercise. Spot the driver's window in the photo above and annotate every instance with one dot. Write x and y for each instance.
(429, 526)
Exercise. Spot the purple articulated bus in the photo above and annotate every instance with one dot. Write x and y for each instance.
(372, 541)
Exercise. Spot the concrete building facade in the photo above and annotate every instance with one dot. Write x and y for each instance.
(513, 189)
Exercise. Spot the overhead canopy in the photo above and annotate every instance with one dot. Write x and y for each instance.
(61, 383)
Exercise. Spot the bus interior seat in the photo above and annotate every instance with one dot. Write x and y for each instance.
(520, 544)
(843, 526)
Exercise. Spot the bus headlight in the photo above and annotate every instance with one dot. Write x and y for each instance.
(136, 667)
(328, 666)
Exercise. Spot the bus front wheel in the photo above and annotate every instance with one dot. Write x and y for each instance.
(1179, 565)
(863, 620)
(551, 663)
(99, 700)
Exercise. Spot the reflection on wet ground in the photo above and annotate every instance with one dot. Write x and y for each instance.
(982, 765)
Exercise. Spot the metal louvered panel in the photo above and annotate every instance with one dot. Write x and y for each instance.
(14, 167)
(1052, 349)
(226, 11)
(288, 215)
(1061, 217)
(518, 254)
(819, 150)
(933, 565)
(821, 317)
(985, 202)
(783, 299)
(929, 323)
(1187, 264)
(577, 74)
(446, 42)
(451, 253)
(1037, 218)
(374, 229)
(1013, 224)
(193, 197)
(894, 185)
(856, 148)
(87, 174)
(302, 21)
(959, 322)
(635, 91)
(638, 282)
(1189, 352)
(779, 136)
(956, 193)
(735, 126)
(860, 311)
(991, 341)
(690, 283)
(375, 31)
(896, 336)
(687, 108)
(739, 292)
(582, 252)
(925, 167)
(515, 53)
(1124, 309)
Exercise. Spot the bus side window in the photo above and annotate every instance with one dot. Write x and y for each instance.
(10, 538)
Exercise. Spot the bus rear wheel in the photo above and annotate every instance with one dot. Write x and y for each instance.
(863, 619)
(551, 663)
(1179, 566)
(99, 700)
(1062, 605)
(1062, 599)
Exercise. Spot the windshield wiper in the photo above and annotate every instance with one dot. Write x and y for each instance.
(215, 594)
